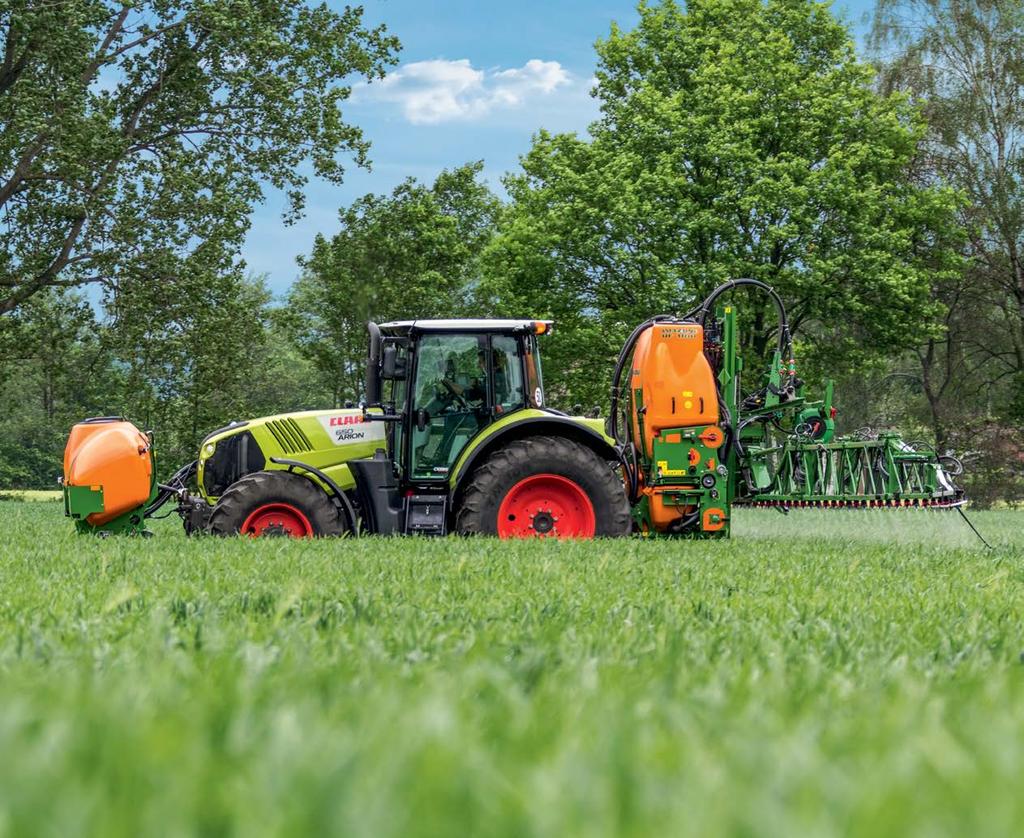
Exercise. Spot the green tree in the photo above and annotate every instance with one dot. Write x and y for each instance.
(413, 253)
(178, 364)
(55, 368)
(964, 62)
(135, 134)
(737, 138)
(193, 355)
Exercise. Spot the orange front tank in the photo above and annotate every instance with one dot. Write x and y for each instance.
(114, 455)
(676, 381)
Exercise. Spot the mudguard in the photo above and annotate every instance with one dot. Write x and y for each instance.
(530, 422)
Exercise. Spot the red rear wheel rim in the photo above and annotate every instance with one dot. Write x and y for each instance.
(546, 505)
(277, 519)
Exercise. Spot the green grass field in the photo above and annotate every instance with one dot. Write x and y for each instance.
(821, 674)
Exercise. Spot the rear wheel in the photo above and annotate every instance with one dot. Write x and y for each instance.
(544, 486)
(268, 503)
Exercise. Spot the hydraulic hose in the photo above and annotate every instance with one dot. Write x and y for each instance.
(177, 482)
(785, 339)
(624, 354)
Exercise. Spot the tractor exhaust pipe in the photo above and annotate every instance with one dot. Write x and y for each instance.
(373, 366)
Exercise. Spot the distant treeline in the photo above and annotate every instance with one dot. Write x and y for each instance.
(881, 195)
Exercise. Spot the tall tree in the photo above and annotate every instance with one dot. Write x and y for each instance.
(192, 357)
(134, 134)
(964, 62)
(55, 368)
(413, 253)
(737, 138)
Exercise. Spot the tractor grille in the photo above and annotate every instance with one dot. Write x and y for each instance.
(289, 436)
(234, 457)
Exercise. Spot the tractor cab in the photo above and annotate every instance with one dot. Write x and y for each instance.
(441, 382)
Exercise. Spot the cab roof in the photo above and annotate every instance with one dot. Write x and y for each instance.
(404, 327)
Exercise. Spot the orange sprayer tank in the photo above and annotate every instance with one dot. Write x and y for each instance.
(112, 454)
(675, 379)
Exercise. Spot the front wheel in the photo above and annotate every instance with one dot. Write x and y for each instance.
(267, 503)
(544, 486)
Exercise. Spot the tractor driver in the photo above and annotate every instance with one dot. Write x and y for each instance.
(473, 394)
(461, 406)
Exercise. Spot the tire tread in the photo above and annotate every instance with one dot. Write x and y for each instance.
(261, 487)
(491, 481)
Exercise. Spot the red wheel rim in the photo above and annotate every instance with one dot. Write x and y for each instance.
(546, 505)
(277, 519)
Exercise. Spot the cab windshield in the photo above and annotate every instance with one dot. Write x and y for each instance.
(462, 383)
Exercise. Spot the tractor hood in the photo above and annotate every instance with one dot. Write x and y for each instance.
(325, 439)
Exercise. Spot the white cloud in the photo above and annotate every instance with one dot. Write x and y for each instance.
(429, 92)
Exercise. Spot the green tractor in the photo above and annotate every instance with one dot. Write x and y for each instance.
(454, 436)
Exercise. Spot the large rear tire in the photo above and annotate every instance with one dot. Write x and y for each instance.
(544, 486)
(279, 503)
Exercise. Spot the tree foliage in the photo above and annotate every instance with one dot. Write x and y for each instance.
(136, 136)
(180, 366)
(413, 253)
(189, 363)
(54, 370)
(964, 62)
(737, 138)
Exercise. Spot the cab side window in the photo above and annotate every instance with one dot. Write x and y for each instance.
(507, 374)
(534, 376)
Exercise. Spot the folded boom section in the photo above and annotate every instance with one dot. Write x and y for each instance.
(885, 471)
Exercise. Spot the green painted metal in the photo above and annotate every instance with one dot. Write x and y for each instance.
(686, 474)
(788, 454)
(81, 501)
(849, 471)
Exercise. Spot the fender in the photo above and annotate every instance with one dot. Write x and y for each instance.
(340, 498)
(525, 423)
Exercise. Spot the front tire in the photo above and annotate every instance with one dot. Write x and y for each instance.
(544, 486)
(281, 503)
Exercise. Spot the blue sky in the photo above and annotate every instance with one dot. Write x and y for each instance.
(475, 81)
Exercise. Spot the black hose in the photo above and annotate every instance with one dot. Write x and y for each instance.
(630, 469)
(620, 365)
(726, 421)
(175, 484)
(785, 339)
(681, 525)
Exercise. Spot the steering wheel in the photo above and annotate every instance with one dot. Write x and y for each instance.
(453, 396)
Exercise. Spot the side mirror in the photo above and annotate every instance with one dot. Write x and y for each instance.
(422, 418)
(391, 369)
